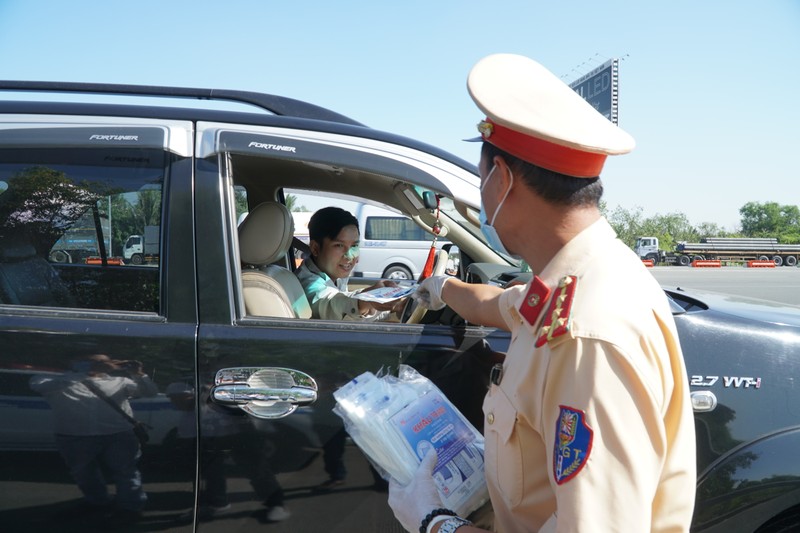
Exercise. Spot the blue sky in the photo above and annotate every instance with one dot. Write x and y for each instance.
(707, 88)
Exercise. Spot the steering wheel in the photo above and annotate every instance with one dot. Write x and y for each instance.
(413, 312)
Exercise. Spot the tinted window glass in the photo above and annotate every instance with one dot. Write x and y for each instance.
(81, 228)
(394, 229)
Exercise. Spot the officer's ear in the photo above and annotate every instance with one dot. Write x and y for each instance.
(314, 247)
(503, 171)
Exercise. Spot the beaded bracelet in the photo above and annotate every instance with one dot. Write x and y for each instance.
(433, 514)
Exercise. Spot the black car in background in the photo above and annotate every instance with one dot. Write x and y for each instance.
(244, 378)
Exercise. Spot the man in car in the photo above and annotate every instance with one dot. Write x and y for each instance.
(333, 239)
(588, 422)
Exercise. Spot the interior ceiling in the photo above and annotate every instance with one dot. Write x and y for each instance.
(264, 177)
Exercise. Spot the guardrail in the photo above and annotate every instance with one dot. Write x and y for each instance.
(760, 264)
(706, 263)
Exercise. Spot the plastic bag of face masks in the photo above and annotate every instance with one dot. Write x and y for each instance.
(395, 420)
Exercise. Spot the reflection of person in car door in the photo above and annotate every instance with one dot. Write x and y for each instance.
(333, 239)
(226, 439)
(93, 436)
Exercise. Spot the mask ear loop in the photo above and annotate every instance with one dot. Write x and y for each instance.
(437, 228)
(497, 209)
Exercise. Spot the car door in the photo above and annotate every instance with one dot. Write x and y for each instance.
(303, 463)
(73, 311)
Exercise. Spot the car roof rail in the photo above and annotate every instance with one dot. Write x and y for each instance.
(279, 105)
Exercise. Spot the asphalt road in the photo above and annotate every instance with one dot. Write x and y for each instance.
(777, 284)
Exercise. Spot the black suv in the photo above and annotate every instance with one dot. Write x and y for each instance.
(152, 241)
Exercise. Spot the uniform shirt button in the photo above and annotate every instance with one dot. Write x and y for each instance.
(490, 418)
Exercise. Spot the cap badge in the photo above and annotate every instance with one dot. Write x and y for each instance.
(485, 128)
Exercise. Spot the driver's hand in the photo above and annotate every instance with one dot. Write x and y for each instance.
(382, 283)
(387, 306)
(429, 293)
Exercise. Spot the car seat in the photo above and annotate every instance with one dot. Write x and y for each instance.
(269, 289)
(28, 279)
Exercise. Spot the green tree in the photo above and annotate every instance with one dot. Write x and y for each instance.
(291, 204)
(669, 228)
(771, 219)
(627, 223)
(130, 213)
(711, 229)
(43, 203)
(123, 222)
(240, 201)
(148, 207)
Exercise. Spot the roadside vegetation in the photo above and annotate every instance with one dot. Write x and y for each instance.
(768, 219)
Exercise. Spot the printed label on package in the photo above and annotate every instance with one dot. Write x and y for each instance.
(432, 421)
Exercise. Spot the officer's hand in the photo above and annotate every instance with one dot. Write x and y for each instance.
(412, 503)
(429, 293)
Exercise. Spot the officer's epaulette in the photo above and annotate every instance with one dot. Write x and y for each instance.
(557, 317)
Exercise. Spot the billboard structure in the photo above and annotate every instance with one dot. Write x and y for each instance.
(600, 87)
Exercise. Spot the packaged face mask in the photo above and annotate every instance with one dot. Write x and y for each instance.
(396, 420)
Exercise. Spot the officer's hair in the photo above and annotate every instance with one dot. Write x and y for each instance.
(328, 222)
(553, 187)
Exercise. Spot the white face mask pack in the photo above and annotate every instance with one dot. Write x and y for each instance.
(396, 420)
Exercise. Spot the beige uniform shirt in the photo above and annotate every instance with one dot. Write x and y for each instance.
(591, 430)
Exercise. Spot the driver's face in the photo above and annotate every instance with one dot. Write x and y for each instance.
(337, 257)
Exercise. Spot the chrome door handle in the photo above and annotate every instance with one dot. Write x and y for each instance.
(264, 392)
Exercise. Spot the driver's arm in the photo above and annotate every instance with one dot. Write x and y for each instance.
(475, 302)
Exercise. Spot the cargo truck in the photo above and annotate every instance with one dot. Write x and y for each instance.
(734, 249)
(142, 249)
(80, 241)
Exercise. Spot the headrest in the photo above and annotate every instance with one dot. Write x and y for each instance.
(13, 250)
(266, 234)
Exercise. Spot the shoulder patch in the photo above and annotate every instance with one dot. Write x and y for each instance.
(558, 314)
(573, 444)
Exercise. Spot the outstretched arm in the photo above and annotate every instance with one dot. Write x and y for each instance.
(476, 303)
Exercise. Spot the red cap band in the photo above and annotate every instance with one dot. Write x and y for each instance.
(541, 153)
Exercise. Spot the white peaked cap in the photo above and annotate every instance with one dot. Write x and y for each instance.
(535, 116)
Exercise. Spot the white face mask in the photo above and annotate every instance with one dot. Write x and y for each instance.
(487, 228)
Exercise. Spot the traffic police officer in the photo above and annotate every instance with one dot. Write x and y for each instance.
(588, 423)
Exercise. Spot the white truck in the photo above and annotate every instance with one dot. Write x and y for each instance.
(142, 249)
(733, 249)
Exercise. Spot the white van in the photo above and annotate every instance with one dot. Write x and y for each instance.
(392, 245)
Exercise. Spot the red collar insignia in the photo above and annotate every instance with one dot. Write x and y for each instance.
(535, 300)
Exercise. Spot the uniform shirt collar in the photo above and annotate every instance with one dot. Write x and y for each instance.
(573, 258)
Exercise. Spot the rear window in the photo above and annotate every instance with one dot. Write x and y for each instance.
(80, 227)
